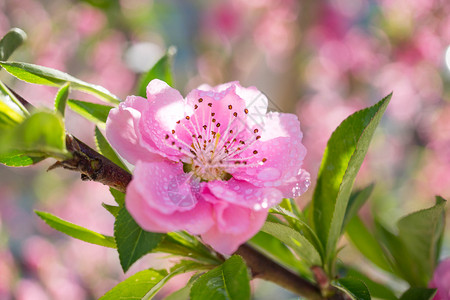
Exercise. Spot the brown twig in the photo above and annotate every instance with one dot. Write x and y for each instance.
(93, 166)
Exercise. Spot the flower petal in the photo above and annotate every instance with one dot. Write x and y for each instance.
(121, 130)
(162, 198)
(280, 146)
(234, 226)
(245, 194)
(159, 119)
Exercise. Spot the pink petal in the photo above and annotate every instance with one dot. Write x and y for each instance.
(161, 198)
(166, 107)
(223, 105)
(121, 130)
(281, 145)
(296, 185)
(245, 194)
(255, 101)
(234, 226)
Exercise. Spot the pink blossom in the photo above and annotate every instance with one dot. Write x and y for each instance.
(441, 280)
(212, 163)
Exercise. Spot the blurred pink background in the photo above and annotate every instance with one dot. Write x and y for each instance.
(322, 60)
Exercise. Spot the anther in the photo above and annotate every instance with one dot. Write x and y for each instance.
(231, 131)
(167, 136)
(210, 104)
(173, 131)
(230, 107)
(258, 137)
(195, 106)
(255, 152)
(235, 114)
(200, 100)
(218, 125)
(213, 114)
(204, 127)
(213, 120)
(179, 121)
(187, 117)
(264, 160)
(246, 111)
(256, 130)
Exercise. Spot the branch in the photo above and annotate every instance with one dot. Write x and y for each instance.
(93, 166)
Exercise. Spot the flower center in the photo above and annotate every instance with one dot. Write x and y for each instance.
(214, 152)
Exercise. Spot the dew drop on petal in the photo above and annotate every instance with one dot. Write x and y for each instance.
(269, 174)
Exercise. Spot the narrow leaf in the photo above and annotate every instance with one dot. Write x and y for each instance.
(376, 289)
(76, 231)
(341, 161)
(8, 98)
(420, 233)
(185, 245)
(279, 252)
(96, 113)
(10, 42)
(356, 201)
(114, 210)
(19, 159)
(132, 241)
(119, 197)
(61, 98)
(161, 70)
(105, 148)
(293, 239)
(354, 287)
(182, 267)
(228, 281)
(416, 293)
(48, 76)
(40, 135)
(136, 286)
(367, 244)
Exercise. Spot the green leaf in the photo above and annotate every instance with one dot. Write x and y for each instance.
(180, 268)
(145, 284)
(105, 148)
(354, 287)
(8, 98)
(356, 201)
(377, 290)
(136, 286)
(40, 135)
(18, 159)
(8, 116)
(119, 197)
(114, 210)
(367, 244)
(342, 159)
(96, 113)
(47, 76)
(10, 42)
(132, 241)
(228, 281)
(402, 262)
(297, 221)
(161, 70)
(61, 98)
(415, 293)
(76, 231)
(293, 239)
(279, 252)
(181, 294)
(185, 245)
(420, 233)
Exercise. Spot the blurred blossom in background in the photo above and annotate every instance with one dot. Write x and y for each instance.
(322, 60)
